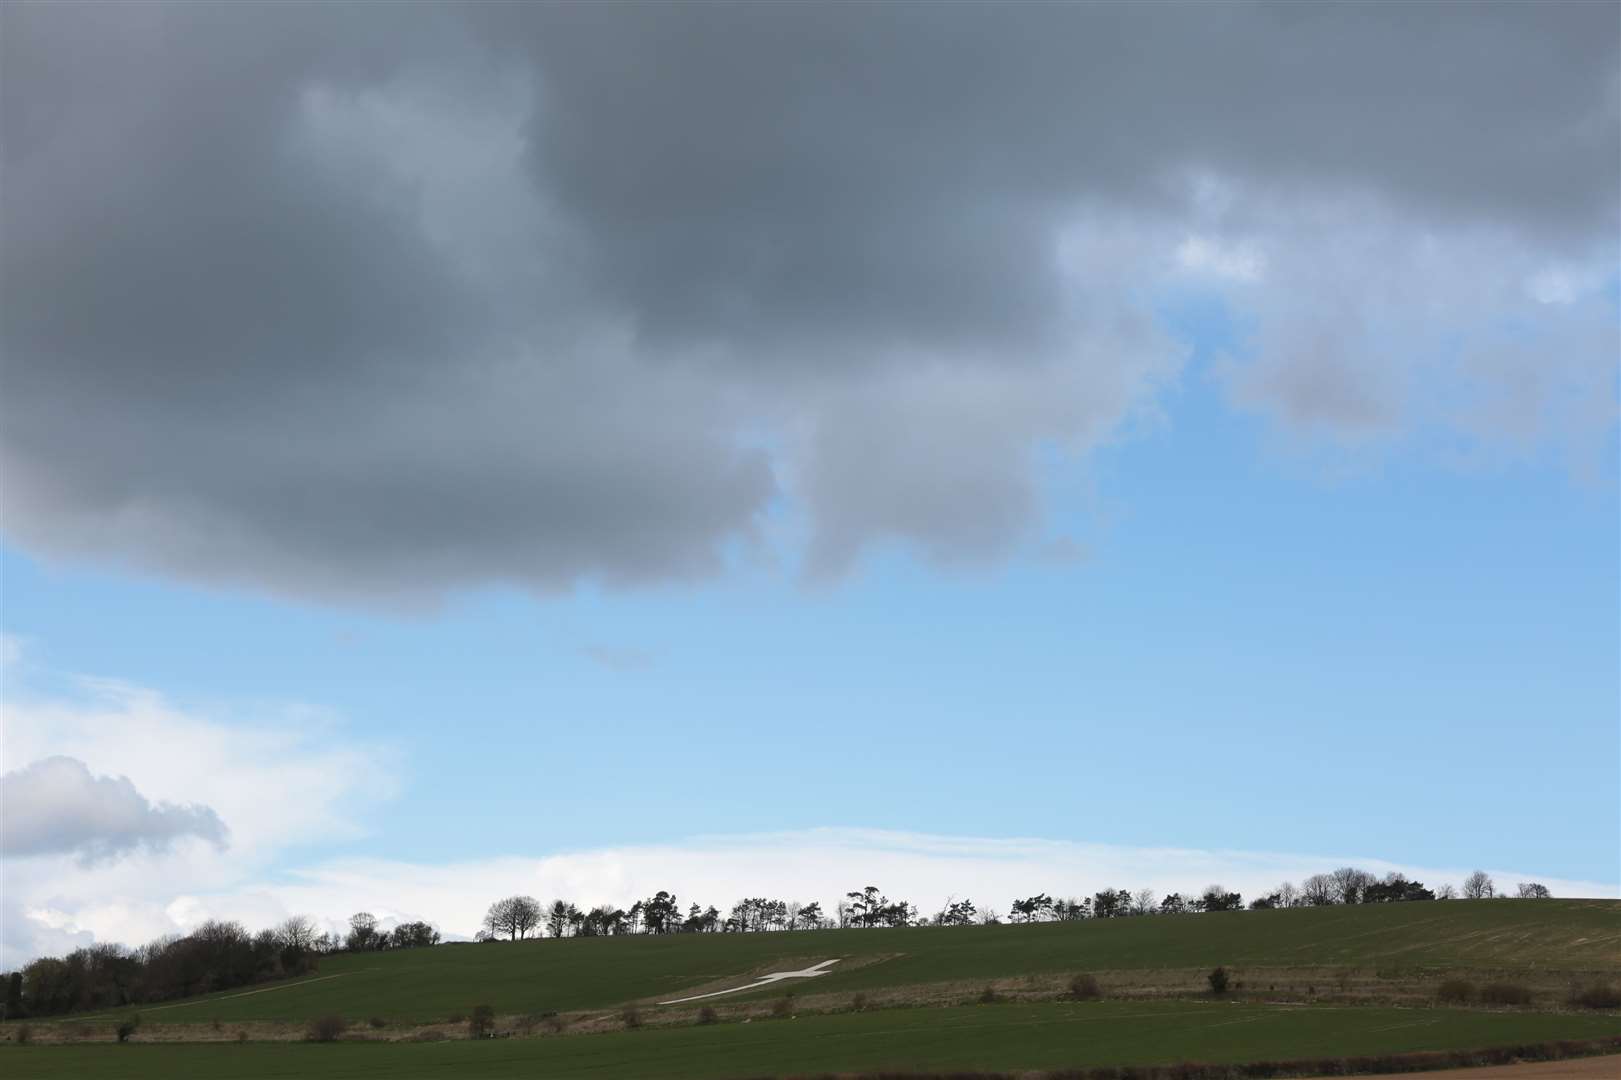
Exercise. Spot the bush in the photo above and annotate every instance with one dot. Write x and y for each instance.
(630, 1018)
(556, 1023)
(377, 1022)
(783, 1007)
(1217, 980)
(1502, 993)
(326, 1029)
(1596, 996)
(480, 1024)
(215, 1024)
(1084, 987)
(242, 1036)
(987, 996)
(858, 1003)
(127, 1027)
(1455, 992)
(25, 1034)
(706, 1015)
(457, 1018)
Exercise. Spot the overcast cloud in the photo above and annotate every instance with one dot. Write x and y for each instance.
(363, 303)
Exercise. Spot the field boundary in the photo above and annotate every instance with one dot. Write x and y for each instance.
(1417, 1062)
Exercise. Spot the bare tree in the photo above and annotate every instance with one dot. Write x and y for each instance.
(298, 933)
(514, 917)
(1532, 890)
(1350, 883)
(363, 933)
(1143, 902)
(1318, 890)
(1288, 895)
(1447, 892)
(1478, 886)
(526, 914)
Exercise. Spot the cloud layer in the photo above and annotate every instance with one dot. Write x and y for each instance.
(338, 305)
(57, 806)
(117, 770)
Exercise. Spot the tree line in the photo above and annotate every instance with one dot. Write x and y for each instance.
(223, 955)
(518, 917)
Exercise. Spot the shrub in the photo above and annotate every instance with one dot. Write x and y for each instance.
(127, 1027)
(783, 1007)
(858, 1003)
(215, 1024)
(630, 1018)
(457, 1018)
(1596, 996)
(1083, 987)
(25, 1034)
(1455, 992)
(242, 1036)
(987, 996)
(326, 1029)
(1217, 980)
(556, 1023)
(1502, 993)
(481, 1022)
(706, 1015)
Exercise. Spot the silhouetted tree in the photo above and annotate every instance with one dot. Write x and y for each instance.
(1349, 884)
(661, 914)
(513, 917)
(1531, 890)
(1217, 898)
(413, 935)
(1318, 890)
(362, 932)
(1478, 886)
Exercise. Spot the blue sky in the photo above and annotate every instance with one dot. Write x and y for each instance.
(1413, 660)
(1118, 446)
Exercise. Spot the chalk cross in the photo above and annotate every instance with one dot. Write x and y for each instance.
(764, 980)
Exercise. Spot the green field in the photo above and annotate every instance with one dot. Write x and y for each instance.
(1050, 1035)
(592, 973)
(1545, 944)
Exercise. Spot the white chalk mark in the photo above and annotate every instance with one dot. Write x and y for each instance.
(764, 980)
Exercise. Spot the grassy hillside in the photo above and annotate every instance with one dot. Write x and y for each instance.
(592, 973)
(1000, 1037)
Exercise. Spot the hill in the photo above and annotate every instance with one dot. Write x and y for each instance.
(1312, 985)
(1404, 940)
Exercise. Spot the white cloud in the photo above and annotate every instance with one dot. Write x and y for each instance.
(816, 864)
(278, 785)
(284, 779)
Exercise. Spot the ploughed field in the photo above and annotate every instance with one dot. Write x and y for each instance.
(1305, 984)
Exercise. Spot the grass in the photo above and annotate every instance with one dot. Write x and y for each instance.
(991, 1037)
(423, 985)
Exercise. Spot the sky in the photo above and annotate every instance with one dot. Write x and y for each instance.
(581, 450)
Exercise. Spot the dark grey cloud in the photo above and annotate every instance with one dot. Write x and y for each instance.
(354, 301)
(56, 806)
